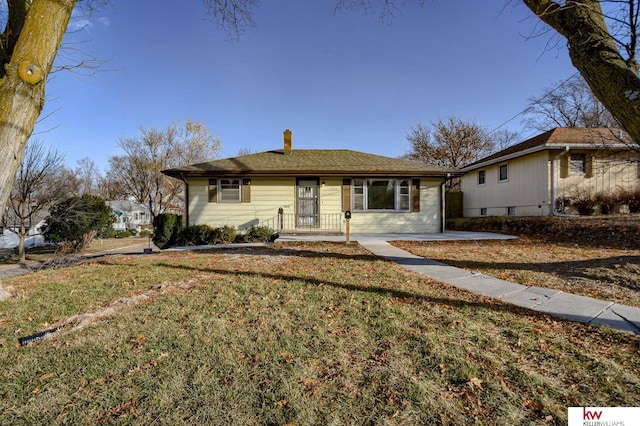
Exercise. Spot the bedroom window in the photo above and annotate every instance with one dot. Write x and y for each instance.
(481, 177)
(229, 190)
(381, 195)
(578, 164)
(504, 173)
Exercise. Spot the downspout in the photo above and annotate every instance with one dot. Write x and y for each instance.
(554, 190)
(186, 200)
(443, 202)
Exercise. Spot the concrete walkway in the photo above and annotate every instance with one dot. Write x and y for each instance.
(549, 301)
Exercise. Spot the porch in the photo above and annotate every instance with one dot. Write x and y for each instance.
(295, 224)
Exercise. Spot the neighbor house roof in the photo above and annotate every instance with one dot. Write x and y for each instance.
(310, 162)
(560, 138)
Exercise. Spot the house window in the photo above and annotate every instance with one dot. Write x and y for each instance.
(481, 177)
(504, 172)
(483, 211)
(381, 194)
(229, 190)
(511, 211)
(578, 164)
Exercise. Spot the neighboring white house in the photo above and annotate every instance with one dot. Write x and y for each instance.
(311, 190)
(540, 176)
(129, 215)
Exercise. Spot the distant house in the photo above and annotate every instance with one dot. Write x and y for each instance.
(129, 215)
(544, 175)
(311, 190)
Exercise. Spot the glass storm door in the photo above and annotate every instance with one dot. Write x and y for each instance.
(307, 207)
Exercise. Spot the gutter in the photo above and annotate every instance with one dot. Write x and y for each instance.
(186, 200)
(554, 190)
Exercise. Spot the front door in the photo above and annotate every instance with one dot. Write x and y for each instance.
(307, 203)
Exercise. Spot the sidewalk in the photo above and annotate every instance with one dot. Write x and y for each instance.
(549, 301)
(10, 270)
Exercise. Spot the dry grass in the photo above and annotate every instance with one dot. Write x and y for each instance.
(296, 334)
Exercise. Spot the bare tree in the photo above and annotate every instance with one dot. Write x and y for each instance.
(110, 188)
(244, 151)
(449, 143)
(503, 138)
(35, 188)
(603, 47)
(29, 44)
(139, 170)
(569, 103)
(88, 176)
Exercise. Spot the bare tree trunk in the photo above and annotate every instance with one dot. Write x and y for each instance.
(21, 251)
(22, 87)
(593, 51)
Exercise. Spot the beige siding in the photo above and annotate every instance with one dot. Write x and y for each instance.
(606, 174)
(526, 189)
(330, 195)
(427, 220)
(267, 196)
(270, 194)
(529, 187)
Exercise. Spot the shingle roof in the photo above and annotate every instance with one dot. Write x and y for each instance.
(560, 137)
(310, 162)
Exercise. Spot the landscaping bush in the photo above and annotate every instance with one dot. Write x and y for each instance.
(76, 221)
(107, 232)
(257, 234)
(167, 228)
(606, 202)
(584, 202)
(630, 197)
(224, 235)
(145, 233)
(122, 234)
(198, 235)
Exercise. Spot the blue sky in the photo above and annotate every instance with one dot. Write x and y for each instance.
(337, 80)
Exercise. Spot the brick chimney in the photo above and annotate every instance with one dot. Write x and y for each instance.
(287, 141)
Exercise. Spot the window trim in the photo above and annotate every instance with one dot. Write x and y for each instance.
(506, 166)
(360, 195)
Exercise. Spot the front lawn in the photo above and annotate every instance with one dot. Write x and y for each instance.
(292, 334)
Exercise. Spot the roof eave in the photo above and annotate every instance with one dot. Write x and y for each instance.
(305, 173)
(549, 147)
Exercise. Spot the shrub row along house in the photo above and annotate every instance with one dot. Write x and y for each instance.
(560, 171)
(311, 190)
